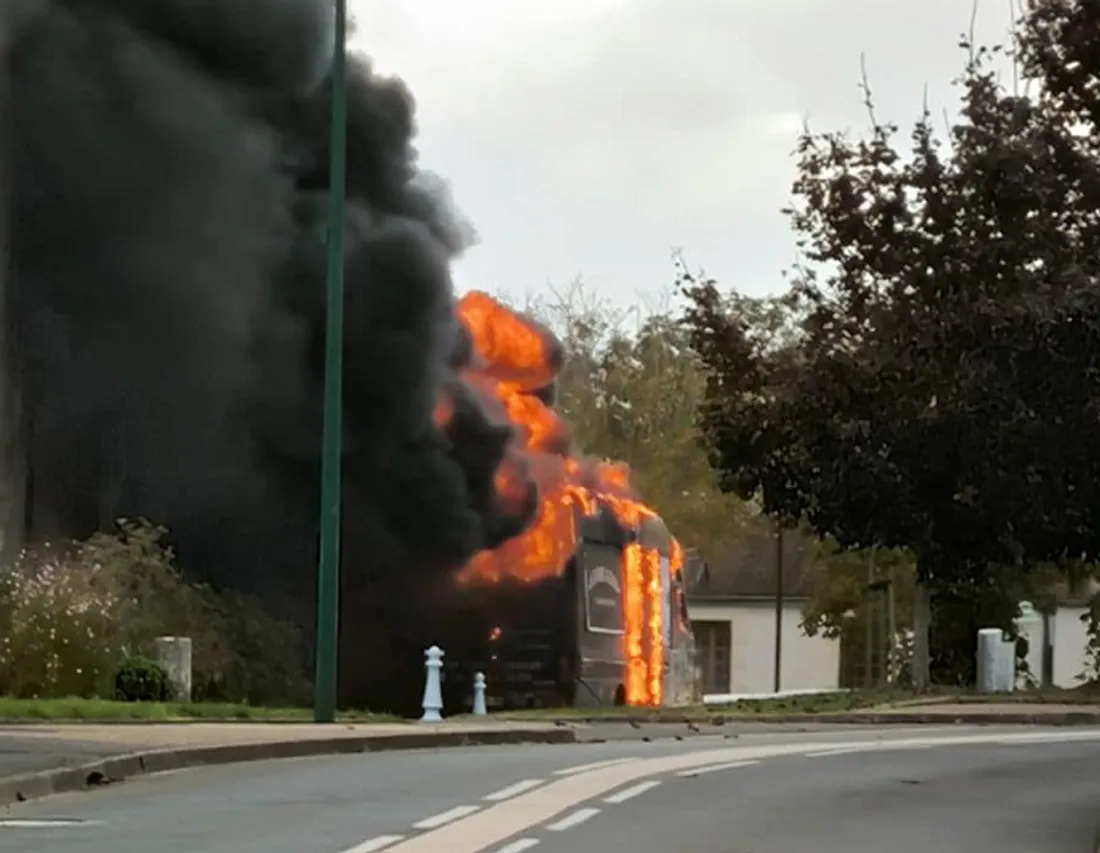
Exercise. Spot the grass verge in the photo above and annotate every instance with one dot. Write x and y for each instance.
(75, 709)
(820, 703)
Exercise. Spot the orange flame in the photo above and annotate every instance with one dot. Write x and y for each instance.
(515, 359)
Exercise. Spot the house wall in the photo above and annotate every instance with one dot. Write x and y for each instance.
(808, 663)
(1068, 640)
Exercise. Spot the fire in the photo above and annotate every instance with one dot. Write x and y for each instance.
(514, 362)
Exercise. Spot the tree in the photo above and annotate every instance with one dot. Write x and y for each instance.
(943, 378)
(630, 389)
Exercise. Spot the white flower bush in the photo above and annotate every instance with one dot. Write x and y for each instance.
(59, 627)
(69, 616)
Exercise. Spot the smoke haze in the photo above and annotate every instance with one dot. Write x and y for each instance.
(168, 179)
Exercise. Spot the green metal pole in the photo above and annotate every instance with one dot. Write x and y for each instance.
(328, 563)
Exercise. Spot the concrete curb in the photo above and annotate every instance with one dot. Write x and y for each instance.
(30, 786)
(871, 718)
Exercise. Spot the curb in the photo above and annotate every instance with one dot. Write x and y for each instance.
(30, 786)
(1076, 718)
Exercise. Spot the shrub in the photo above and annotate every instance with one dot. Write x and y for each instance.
(141, 680)
(69, 615)
(269, 668)
(57, 627)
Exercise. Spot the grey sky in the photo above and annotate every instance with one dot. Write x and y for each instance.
(592, 137)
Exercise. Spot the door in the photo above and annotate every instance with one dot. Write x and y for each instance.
(712, 655)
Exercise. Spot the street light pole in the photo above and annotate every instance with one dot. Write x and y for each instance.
(328, 561)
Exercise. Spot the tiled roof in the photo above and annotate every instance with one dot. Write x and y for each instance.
(746, 566)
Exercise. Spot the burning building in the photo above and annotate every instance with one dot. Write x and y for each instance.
(166, 169)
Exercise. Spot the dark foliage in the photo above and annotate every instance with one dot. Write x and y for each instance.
(944, 390)
(142, 680)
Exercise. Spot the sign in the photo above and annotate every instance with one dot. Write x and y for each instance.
(603, 599)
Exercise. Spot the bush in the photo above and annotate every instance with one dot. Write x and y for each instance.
(269, 668)
(142, 680)
(57, 628)
(69, 616)
(240, 652)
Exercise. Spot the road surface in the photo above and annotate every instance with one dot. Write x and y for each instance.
(947, 790)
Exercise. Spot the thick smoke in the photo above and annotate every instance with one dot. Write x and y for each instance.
(170, 170)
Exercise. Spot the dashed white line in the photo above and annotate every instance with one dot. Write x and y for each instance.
(47, 823)
(569, 821)
(519, 845)
(445, 817)
(520, 787)
(595, 765)
(632, 792)
(373, 845)
(713, 768)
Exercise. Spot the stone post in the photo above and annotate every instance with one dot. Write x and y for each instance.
(479, 695)
(174, 654)
(433, 686)
(996, 663)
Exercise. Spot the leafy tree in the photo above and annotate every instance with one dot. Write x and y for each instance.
(630, 390)
(944, 375)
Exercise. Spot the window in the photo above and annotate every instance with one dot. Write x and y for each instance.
(712, 655)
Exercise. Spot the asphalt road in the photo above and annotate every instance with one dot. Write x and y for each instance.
(948, 790)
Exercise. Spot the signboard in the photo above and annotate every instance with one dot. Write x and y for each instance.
(603, 599)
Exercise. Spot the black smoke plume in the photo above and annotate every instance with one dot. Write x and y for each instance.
(168, 171)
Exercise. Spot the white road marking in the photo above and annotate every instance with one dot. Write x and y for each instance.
(46, 823)
(714, 768)
(841, 750)
(632, 792)
(595, 765)
(519, 845)
(1027, 738)
(575, 819)
(502, 821)
(372, 845)
(512, 790)
(446, 817)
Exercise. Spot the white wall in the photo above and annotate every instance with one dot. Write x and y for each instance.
(1068, 639)
(808, 663)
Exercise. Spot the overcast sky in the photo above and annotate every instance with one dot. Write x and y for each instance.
(592, 137)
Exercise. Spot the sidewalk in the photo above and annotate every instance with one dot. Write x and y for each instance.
(37, 760)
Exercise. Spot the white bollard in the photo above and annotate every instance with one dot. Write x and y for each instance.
(174, 654)
(433, 686)
(479, 695)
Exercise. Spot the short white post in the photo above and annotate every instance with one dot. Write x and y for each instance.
(174, 654)
(433, 686)
(479, 695)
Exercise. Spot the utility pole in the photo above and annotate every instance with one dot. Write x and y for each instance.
(891, 626)
(328, 561)
(869, 622)
(778, 609)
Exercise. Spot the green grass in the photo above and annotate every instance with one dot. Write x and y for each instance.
(74, 709)
(821, 703)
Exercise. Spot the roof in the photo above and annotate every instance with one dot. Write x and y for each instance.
(745, 567)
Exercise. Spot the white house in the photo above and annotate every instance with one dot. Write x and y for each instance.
(735, 606)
